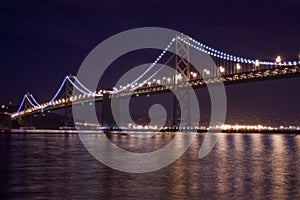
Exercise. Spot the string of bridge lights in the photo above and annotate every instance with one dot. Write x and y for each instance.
(21, 105)
(219, 54)
(134, 88)
(133, 85)
(82, 91)
(148, 69)
(89, 92)
(67, 78)
(60, 87)
(23, 101)
(34, 100)
(26, 96)
(215, 53)
(150, 77)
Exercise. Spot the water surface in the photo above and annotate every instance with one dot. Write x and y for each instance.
(241, 166)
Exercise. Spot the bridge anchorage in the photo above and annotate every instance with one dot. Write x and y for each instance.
(230, 70)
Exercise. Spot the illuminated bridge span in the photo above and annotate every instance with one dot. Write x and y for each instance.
(230, 70)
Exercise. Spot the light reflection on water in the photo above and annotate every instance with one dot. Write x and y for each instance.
(248, 166)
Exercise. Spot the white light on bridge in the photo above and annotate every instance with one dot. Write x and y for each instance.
(194, 75)
(256, 63)
(222, 69)
(278, 59)
(238, 66)
(179, 77)
(207, 72)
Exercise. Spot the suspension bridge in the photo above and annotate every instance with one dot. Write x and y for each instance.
(228, 69)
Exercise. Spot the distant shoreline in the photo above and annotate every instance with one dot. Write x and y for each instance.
(127, 132)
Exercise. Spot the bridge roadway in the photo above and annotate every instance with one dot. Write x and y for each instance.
(243, 77)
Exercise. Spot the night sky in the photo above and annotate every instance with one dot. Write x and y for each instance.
(42, 41)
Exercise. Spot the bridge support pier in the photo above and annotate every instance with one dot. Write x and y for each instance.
(68, 118)
(182, 111)
(108, 120)
(27, 121)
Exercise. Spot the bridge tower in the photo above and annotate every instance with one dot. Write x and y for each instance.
(68, 118)
(182, 75)
(108, 120)
(27, 120)
(26, 104)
